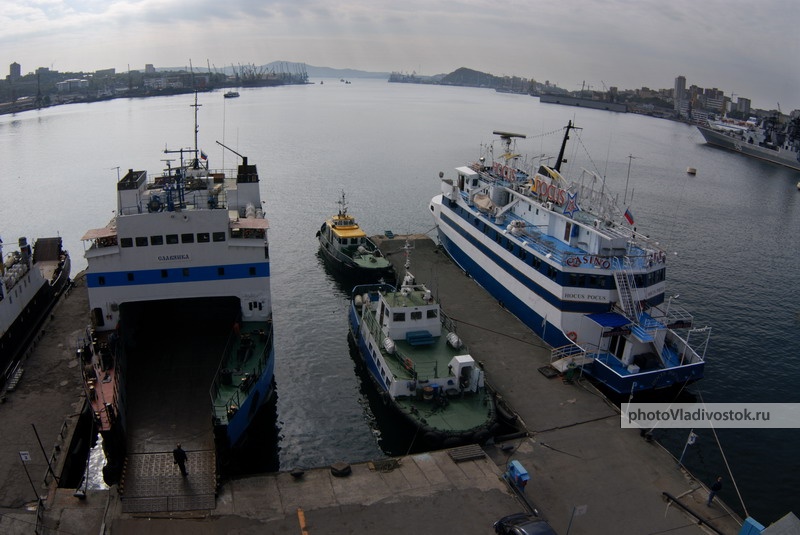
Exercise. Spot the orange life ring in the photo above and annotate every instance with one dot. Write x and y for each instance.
(572, 335)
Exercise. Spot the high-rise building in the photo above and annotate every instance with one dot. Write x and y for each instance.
(680, 92)
(14, 71)
(680, 102)
(743, 105)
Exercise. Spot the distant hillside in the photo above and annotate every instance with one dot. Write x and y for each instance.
(470, 78)
(461, 77)
(328, 72)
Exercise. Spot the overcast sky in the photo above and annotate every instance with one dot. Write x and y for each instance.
(746, 48)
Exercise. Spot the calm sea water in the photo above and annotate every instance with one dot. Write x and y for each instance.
(733, 232)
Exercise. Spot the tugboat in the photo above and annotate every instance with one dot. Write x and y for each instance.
(565, 259)
(347, 248)
(30, 283)
(420, 365)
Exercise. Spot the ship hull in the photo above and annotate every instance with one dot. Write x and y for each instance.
(540, 310)
(735, 143)
(345, 266)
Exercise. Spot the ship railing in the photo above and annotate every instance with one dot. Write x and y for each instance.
(672, 316)
(569, 350)
(678, 351)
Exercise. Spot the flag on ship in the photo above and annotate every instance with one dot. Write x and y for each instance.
(629, 216)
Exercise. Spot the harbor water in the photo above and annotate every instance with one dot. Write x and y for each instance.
(732, 232)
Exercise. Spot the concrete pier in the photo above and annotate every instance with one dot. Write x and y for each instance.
(586, 473)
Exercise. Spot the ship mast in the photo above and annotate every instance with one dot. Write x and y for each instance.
(196, 129)
(569, 127)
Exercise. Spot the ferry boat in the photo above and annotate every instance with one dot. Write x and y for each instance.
(347, 248)
(765, 139)
(420, 365)
(31, 280)
(190, 232)
(568, 262)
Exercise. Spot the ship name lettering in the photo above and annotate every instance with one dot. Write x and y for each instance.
(551, 191)
(172, 257)
(592, 260)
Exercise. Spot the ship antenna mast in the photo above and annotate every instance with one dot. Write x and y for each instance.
(569, 127)
(196, 129)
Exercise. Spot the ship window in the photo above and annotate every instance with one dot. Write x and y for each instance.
(164, 273)
(203, 237)
(252, 271)
(185, 272)
(432, 314)
(399, 316)
(218, 236)
(172, 238)
(130, 277)
(416, 315)
(156, 240)
(187, 238)
(126, 242)
(221, 271)
(101, 281)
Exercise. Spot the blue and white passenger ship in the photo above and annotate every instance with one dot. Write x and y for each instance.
(191, 232)
(568, 262)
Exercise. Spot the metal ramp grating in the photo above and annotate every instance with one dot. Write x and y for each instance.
(151, 483)
(470, 452)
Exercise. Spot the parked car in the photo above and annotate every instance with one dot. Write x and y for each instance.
(523, 524)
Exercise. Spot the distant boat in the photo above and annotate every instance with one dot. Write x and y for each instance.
(232, 94)
(766, 139)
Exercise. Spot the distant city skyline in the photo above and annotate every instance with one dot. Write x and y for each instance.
(740, 48)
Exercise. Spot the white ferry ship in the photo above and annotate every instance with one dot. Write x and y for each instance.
(191, 232)
(568, 262)
(30, 283)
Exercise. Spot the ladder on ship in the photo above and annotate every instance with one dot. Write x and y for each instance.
(626, 289)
